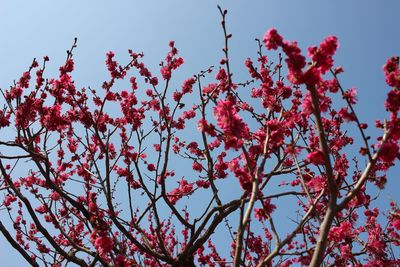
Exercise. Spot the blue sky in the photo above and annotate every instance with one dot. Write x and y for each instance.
(367, 32)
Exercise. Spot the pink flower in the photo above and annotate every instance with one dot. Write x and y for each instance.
(209, 88)
(322, 55)
(24, 80)
(42, 209)
(393, 101)
(341, 232)
(351, 95)
(55, 196)
(316, 157)
(203, 183)
(375, 242)
(171, 62)
(151, 167)
(121, 261)
(104, 245)
(338, 70)
(307, 106)
(346, 115)
(72, 144)
(272, 40)
(68, 67)
(231, 123)
(197, 166)
(4, 119)
(134, 85)
(186, 188)
(295, 62)
(177, 96)
(174, 196)
(204, 126)
(263, 213)
(53, 120)
(392, 72)
(9, 199)
(388, 152)
(187, 85)
(112, 66)
(345, 250)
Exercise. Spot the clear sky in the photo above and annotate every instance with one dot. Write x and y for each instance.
(367, 31)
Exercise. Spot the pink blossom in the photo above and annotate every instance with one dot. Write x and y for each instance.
(388, 152)
(316, 157)
(197, 166)
(272, 39)
(322, 55)
(392, 72)
(151, 167)
(341, 232)
(104, 245)
(231, 123)
(393, 101)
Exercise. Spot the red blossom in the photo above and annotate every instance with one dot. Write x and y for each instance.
(388, 152)
(322, 55)
(392, 72)
(316, 157)
(151, 167)
(103, 245)
(266, 210)
(197, 167)
(392, 103)
(231, 124)
(272, 39)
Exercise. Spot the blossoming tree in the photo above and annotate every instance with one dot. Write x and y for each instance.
(100, 177)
